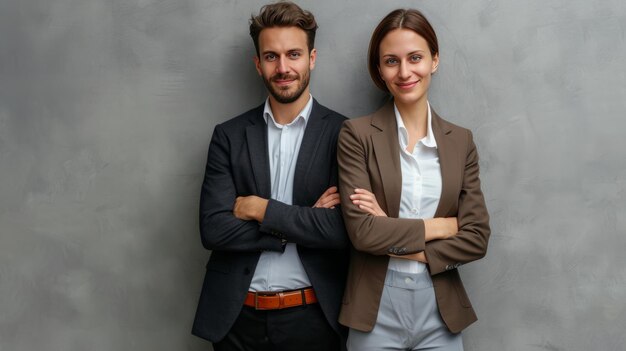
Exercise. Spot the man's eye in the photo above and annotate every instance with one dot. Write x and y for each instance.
(270, 57)
(294, 55)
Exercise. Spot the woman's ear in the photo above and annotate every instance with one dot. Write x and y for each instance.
(435, 63)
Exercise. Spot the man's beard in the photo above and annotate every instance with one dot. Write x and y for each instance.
(283, 96)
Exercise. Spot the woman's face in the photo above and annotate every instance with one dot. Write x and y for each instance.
(406, 65)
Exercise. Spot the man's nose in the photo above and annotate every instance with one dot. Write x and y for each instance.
(282, 66)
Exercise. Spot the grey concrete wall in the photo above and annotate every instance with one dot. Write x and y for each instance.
(107, 107)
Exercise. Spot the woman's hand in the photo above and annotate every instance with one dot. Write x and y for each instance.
(435, 228)
(418, 256)
(440, 228)
(366, 201)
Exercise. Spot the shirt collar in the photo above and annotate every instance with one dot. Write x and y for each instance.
(403, 135)
(303, 115)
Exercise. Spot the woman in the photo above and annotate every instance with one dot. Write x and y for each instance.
(412, 203)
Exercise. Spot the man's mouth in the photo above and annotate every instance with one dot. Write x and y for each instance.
(283, 80)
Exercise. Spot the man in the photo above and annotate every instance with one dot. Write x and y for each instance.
(268, 207)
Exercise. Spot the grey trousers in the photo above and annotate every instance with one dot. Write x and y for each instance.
(408, 318)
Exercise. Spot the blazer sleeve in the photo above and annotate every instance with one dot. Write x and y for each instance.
(320, 228)
(219, 228)
(372, 234)
(470, 243)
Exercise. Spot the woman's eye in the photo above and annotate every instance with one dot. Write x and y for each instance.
(416, 58)
(391, 61)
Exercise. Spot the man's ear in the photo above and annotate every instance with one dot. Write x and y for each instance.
(257, 64)
(312, 57)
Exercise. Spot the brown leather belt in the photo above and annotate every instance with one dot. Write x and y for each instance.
(280, 300)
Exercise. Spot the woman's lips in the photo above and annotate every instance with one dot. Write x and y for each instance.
(407, 85)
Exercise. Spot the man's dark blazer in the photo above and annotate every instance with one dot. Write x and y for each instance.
(238, 165)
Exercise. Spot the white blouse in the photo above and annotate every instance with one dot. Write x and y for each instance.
(421, 184)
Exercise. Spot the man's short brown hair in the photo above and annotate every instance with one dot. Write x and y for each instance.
(283, 14)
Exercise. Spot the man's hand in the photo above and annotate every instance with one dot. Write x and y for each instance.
(250, 208)
(329, 199)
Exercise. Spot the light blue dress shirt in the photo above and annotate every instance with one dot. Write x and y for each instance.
(277, 271)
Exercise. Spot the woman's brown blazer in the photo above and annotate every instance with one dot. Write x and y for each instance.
(369, 158)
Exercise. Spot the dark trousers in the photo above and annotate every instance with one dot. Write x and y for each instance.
(299, 328)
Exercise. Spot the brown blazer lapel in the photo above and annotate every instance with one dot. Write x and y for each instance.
(387, 153)
(449, 161)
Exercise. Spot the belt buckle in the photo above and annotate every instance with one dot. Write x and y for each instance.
(281, 300)
(262, 293)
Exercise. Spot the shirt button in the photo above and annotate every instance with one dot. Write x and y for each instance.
(414, 210)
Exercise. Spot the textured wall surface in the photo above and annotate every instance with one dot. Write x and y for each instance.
(107, 107)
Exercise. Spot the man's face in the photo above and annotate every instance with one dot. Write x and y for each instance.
(285, 63)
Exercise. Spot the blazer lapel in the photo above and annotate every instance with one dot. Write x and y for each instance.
(308, 147)
(450, 166)
(256, 135)
(387, 151)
